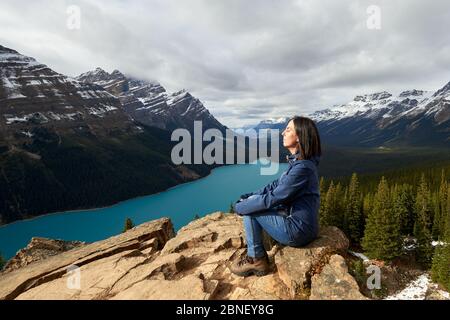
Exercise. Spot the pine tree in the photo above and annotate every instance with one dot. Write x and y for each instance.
(439, 224)
(322, 197)
(367, 204)
(353, 210)
(231, 210)
(436, 213)
(382, 234)
(339, 200)
(403, 206)
(2, 262)
(325, 206)
(330, 214)
(422, 230)
(440, 269)
(128, 225)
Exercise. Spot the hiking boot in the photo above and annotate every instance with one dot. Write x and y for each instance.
(246, 266)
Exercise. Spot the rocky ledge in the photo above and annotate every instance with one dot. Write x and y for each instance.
(151, 262)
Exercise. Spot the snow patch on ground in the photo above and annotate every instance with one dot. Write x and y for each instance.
(437, 243)
(359, 255)
(417, 289)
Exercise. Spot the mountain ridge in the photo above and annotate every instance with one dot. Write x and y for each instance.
(67, 145)
(381, 119)
(149, 102)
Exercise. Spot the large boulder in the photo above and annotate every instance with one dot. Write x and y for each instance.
(151, 262)
(335, 283)
(297, 265)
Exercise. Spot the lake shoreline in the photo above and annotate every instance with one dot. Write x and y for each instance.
(110, 205)
(118, 202)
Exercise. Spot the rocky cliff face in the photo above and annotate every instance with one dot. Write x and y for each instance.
(39, 249)
(64, 142)
(151, 262)
(33, 96)
(150, 103)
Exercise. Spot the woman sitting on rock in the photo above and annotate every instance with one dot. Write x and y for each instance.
(287, 209)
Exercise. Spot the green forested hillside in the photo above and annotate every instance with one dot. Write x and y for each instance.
(65, 172)
(378, 211)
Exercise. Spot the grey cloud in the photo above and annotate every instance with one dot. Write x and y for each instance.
(247, 60)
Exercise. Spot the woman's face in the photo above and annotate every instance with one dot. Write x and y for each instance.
(290, 138)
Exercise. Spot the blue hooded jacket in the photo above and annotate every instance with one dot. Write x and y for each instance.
(296, 191)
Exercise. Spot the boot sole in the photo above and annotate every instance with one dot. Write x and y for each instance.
(251, 272)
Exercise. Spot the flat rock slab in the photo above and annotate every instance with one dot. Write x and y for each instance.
(151, 262)
(14, 283)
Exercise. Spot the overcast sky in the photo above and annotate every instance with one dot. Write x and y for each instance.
(246, 60)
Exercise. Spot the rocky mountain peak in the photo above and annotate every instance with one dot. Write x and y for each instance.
(443, 91)
(178, 95)
(412, 93)
(374, 96)
(149, 103)
(117, 74)
(7, 50)
(96, 75)
(12, 58)
(33, 95)
(381, 117)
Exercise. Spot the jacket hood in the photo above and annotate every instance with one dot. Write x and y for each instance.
(293, 157)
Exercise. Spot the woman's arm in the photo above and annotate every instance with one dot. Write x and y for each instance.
(263, 190)
(296, 179)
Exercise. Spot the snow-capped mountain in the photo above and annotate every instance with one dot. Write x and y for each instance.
(32, 94)
(149, 102)
(66, 144)
(413, 117)
(382, 105)
(272, 123)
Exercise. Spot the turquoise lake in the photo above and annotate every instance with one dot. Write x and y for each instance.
(180, 203)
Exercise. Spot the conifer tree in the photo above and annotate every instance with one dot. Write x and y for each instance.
(2, 262)
(353, 210)
(340, 196)
(382, 234)
(440, 269)
(436, 214)
(332, 208)
(326, 215)
(403, 206)
(128, 225)
(231, 210)
(439, 224)
(322, 198)
(367, 204)
(422, 228)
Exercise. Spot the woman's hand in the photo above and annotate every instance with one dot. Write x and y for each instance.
(245, 196)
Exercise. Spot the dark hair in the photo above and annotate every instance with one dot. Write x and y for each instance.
(308, 136)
